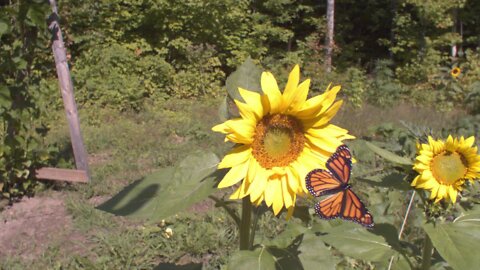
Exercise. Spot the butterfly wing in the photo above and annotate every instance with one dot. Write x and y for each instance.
(330, 207)
(345, 205)
(320, 182)
(340, 167)
(353, 209)
(344, 151)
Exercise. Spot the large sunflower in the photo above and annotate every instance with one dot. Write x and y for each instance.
(443, 166)
(280, 138)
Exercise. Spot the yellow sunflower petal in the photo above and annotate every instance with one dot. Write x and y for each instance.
(259, 184)
(301, 96)
(290, 211)
(324, 118)
(240, 192)
(233, 176)
(270, 191)
(434, 192)
(317, 104)
(327, 143)
(293, 179)
(415, 180)
(291, 87)
(252, 169)
(236, 138)
(246, 113)
(237, 156)
(453, 194)
(277, 196)
(254, 101)
(469, 141)
(287, 193)
(442, 192)
(223, 128)
(270, 88)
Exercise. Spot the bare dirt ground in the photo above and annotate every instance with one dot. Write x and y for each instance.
(29, 227)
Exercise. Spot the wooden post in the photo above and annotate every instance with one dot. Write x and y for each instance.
(66, 88)
(329, 43)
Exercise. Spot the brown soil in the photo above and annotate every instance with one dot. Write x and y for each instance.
(30, 226)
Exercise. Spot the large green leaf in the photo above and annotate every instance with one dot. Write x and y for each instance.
(285, 238)
(457, 242)
(314, 254)
(167, 191)
(223, 114)
(247, 76)
(357, 242)
(252, 260)
(394, 180)
(389, 155)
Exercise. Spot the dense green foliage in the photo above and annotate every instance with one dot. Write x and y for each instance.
(128, 51)
(22, 103)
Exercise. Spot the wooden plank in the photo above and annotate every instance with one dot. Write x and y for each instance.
(62, 175)
(66, 88)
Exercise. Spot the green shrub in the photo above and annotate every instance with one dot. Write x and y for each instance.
(119, 77)
(203, 75)
(384, 89)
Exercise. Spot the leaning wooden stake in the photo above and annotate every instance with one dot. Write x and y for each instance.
(66, 88)
(329, 43)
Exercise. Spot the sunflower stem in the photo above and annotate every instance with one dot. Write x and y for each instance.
(427, 253)
(245, 223)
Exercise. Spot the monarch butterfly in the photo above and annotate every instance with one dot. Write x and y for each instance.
(342, 202)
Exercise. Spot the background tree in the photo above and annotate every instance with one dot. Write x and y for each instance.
(329, 42)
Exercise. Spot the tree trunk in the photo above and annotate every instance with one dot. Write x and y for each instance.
(329, 38)
(454, 49)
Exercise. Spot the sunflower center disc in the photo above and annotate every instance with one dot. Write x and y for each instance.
(448, 167)
(278, 140)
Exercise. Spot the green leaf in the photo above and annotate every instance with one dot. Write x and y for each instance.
(5, 98)
(457, 242)
(314, 253)
(250, 260)
(394, 180)
(167, 191)
(357, 242)
(37, 15)
(285, 238)
(247, 76)
(285, 258)
(3, 28)
(389, 155)
(223, 110)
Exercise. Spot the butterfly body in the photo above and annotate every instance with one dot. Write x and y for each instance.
(341, 202)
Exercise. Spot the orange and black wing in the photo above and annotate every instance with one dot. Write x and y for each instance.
(340, 166)
(330, 207)
(320, 182)
(345, 205)
(344, 151)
